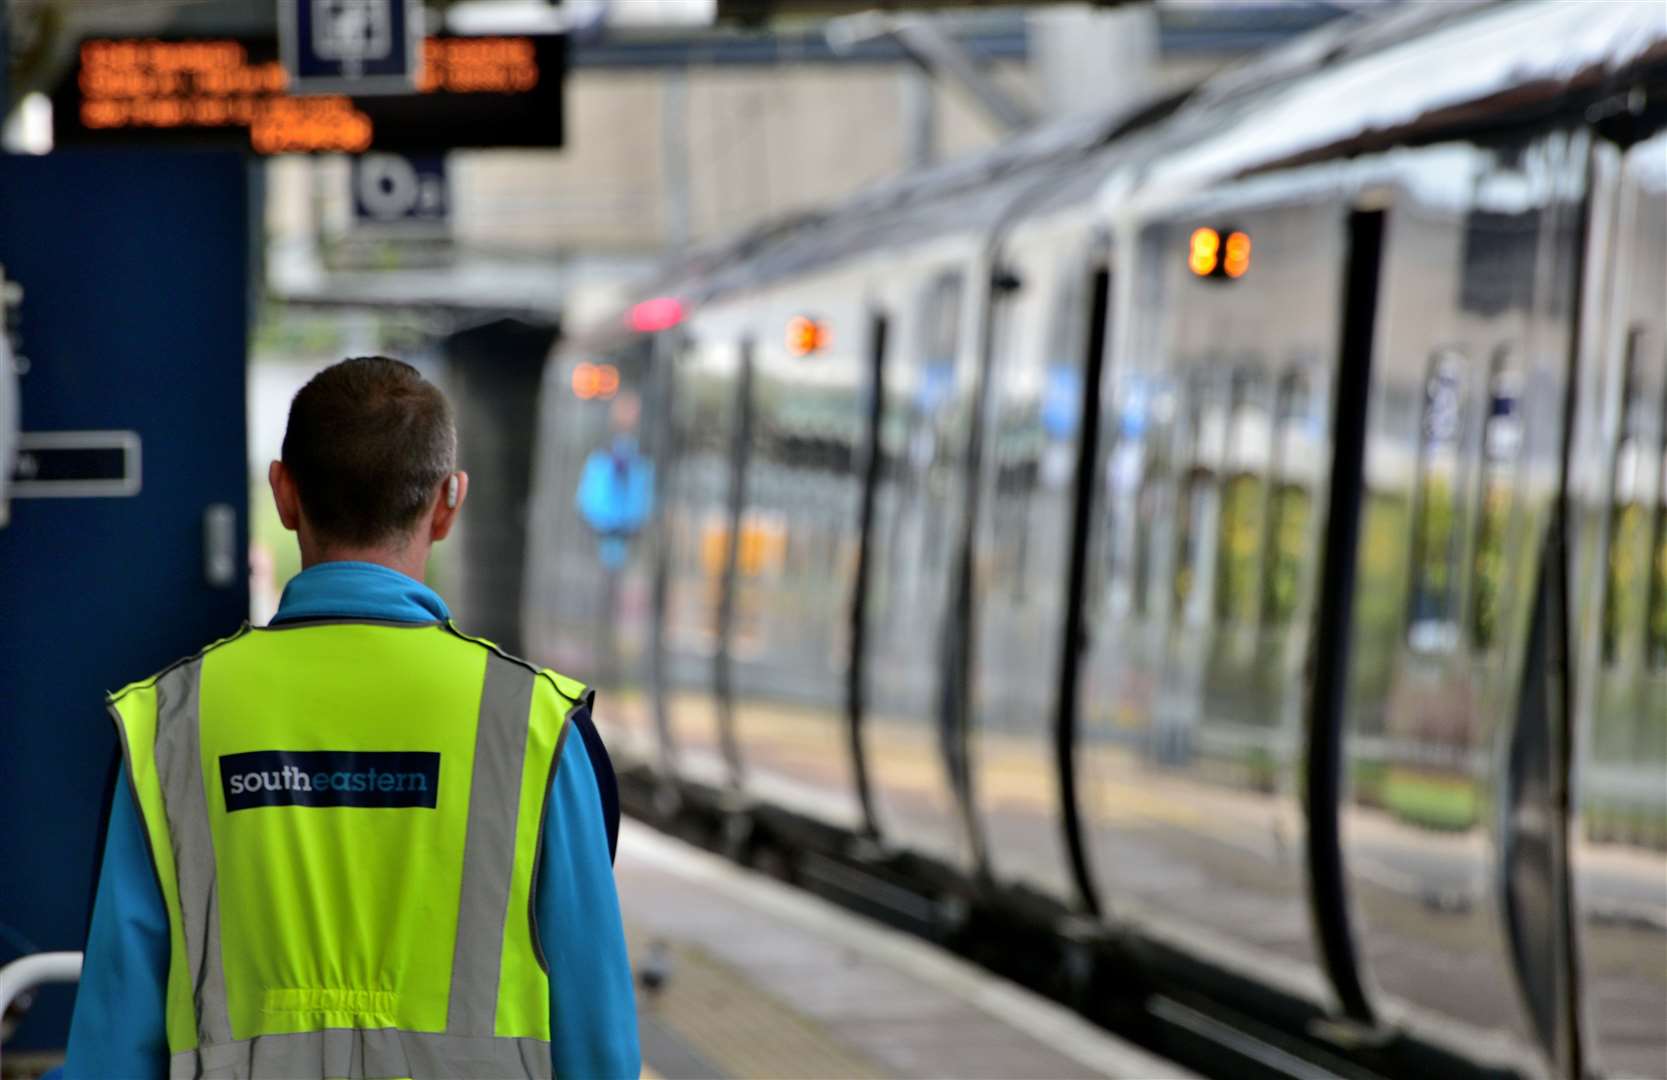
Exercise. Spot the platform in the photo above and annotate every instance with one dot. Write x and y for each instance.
(741, 976)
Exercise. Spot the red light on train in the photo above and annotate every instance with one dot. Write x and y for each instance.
(652, 316)
(805, 335)
(595, 381)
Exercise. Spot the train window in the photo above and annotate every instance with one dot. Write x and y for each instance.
(1243, 499)
(1656, 641)
(1062, 389)
(1124, 449)
(1201, 432)
(1432, 625)
(1501, 440)
(941, 319)
(928, 447)
(1068, 324)
(1291, 508)
(1152, 430)
(1625, 581)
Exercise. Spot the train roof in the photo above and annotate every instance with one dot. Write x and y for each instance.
(1411, 76)
(1362, 82)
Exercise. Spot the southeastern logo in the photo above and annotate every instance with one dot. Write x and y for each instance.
(368, 778)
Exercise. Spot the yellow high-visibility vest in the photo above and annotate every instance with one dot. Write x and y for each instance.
(345, 822)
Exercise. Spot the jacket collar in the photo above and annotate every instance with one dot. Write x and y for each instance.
(358, 590)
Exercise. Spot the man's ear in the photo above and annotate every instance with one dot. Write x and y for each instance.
(284, 495)
(446, 506)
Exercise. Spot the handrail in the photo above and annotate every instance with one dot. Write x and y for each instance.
(35, 970)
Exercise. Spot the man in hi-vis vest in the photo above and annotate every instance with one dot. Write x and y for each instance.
(357, 842)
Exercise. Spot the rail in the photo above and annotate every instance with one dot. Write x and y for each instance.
(23, 975)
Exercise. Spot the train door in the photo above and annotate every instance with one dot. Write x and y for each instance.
(704, 469)
(1036, 385)
(916, 760)
(797, 547)
(1451, 820)
(1619, 841)
(587, 607)
(1207, 512)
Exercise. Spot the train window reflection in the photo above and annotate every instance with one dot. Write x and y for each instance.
(1291, 507)
(1432, 625)
(1625, 581)
(1243, 499)
(1501, 440)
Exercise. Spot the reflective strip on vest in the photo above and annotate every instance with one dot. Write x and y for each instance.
(344, 1022)
(179, 767)
(488, 850)
(363, 1055)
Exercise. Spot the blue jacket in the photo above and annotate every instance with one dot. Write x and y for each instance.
(117, 1028)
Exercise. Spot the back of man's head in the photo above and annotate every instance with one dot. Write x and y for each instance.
(368, 443)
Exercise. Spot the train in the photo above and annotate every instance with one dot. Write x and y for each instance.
(1231, 533)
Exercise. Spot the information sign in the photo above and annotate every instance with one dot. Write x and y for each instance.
(472, 92)
(350, 46)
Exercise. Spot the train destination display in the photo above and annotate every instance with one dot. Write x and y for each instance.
(471, 92)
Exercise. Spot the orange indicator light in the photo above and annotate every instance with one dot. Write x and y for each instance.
(1205, 251)
(1238, 254)
(595, 381)
(805, 335)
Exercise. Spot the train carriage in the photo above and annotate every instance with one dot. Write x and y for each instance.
(1237, 529)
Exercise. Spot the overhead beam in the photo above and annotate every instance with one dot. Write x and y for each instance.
(939, 55)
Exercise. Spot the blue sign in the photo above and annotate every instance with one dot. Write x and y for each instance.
(350, 46)
(375, 778)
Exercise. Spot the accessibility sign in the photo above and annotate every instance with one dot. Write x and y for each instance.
(351, 46)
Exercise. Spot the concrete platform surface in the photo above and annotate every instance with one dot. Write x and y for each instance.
(741, 976)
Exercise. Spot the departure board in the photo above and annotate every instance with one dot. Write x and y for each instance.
(472, 92)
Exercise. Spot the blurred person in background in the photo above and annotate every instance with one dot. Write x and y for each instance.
(358, 842)
(616, 487)
(615, 498)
